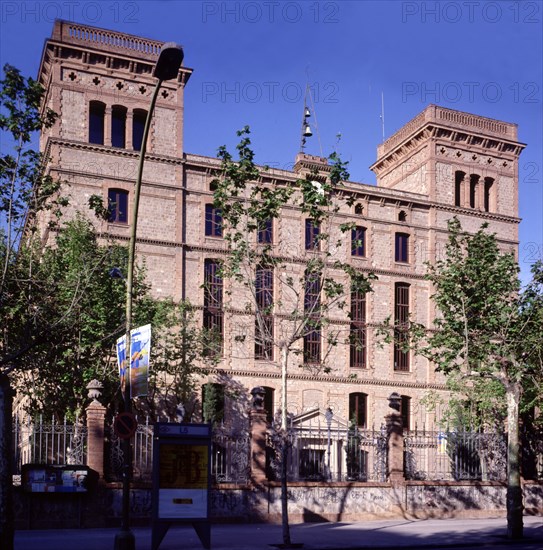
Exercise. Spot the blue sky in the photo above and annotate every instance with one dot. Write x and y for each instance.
(252, 61)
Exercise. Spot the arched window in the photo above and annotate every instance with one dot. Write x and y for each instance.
(358, 409)
(459, 187)
(359, 209)
(489, 182)
(473, 185)
(402, 216)
(118, 205)
(269, 394)
(97, 111)
(138, 124)
(118, 126)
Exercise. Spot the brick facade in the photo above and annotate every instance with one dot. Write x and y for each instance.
(419, 188)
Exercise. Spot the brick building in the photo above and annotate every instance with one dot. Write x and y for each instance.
(441, 164)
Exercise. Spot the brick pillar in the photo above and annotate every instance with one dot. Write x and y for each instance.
(395, 440)
(96, 413)
(258, 427)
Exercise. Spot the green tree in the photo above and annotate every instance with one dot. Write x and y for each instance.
(487, 339)
(178, 363)
(310, 295)
(25, 190)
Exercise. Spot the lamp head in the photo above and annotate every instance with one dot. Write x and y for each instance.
(169, 61)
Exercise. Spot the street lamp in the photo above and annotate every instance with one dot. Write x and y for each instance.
(328, 415)
(166, 68)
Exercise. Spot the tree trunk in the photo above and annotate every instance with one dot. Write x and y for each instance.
(514, 489)
(6, 458)
(284, 450)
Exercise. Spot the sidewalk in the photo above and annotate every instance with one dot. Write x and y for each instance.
(391, 534)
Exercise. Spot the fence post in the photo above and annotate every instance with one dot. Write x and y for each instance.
(96, 413)
(258, 428)
(395, 440)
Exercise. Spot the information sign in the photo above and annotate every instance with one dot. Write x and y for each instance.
(181, 479)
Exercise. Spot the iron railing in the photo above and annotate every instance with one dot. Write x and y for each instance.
(320, 452)
(454, 455)
(41, 441)
(229, 454)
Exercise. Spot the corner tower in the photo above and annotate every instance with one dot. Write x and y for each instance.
(456, 159)
(100, 83)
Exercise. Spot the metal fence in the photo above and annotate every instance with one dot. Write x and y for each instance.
(229, 454)
(40, 441)
(455, 455)
(329, 453)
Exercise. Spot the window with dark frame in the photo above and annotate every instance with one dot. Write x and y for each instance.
(213, 310)
(264, 319)
(358, 404)
(459, 187)
(358, 241)
(312, 300)
(97, 111)
(265, 232)
(473, 185)
(213, 221)
(118, 126)
(358, 330)
(138, 126)
(117, 205)
(401, 252)
(401, 325)
(312, 231)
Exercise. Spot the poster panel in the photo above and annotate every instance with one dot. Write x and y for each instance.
(140, 350)
(183, 481)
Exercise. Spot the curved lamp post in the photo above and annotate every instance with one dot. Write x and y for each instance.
(166, 68)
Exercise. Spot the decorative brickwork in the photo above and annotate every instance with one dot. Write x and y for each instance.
(415, 196)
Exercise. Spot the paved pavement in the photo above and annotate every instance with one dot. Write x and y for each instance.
(391, 534)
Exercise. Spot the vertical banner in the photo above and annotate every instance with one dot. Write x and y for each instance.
(140, 349)
(121, 358)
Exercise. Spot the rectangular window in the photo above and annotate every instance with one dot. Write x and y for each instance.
(213, 221)
(213, 314)
(402, 248)
(312, 338)
(312, 231)
(265, 232)
(117, 205)
(401, 325)
(358, 330)
(264, 317)
(358, 241)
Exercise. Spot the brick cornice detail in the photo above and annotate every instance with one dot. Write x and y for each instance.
(336, 379)
(113, 151)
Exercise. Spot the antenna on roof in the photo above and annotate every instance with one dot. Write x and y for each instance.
(382, 116)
